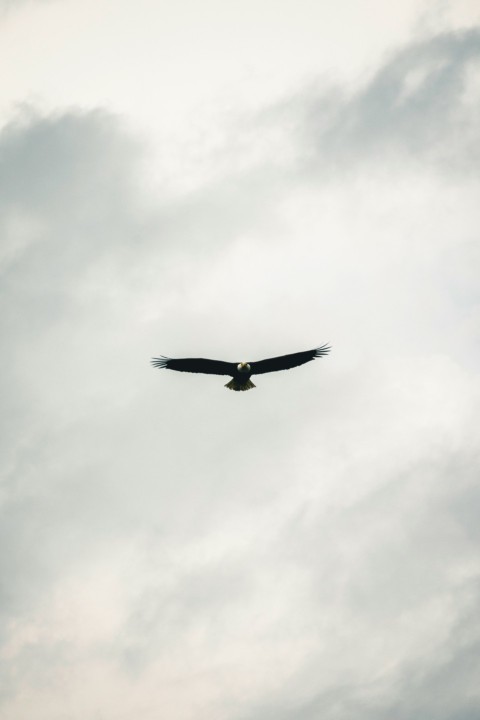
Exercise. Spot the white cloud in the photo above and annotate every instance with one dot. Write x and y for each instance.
(309, 548)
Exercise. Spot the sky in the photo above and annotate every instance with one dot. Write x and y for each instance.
(237, 181)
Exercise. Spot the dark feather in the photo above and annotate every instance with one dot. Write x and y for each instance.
(196, 365)
(285, 362)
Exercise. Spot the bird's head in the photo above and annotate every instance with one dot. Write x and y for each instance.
(243, 367)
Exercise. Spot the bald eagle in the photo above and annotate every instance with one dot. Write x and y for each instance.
(242, 371)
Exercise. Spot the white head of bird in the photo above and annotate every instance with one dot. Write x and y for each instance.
(243, 367)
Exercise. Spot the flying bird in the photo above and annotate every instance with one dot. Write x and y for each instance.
(242, 371)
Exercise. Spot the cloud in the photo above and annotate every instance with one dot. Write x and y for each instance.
(54, 171)
(420, 107)
(403, 565)
(306, 550)
(8, 5)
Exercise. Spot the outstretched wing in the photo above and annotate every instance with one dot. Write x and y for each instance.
(195, 365)
(285, 362)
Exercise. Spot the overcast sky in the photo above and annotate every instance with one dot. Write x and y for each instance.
(240, 180)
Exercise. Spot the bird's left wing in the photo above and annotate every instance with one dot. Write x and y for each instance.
(285, 362)
(195, 365)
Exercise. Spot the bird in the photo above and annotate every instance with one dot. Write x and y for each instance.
(240, 372)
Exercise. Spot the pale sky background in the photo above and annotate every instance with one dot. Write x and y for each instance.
(238, 180)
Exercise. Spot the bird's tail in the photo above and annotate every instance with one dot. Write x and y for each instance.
(235, 385)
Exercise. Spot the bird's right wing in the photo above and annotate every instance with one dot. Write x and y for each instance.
(195, 365)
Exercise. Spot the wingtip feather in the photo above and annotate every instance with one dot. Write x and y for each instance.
(323, 350)
(159, 362)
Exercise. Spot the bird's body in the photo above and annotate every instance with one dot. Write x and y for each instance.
(241, 379)
(242, 371)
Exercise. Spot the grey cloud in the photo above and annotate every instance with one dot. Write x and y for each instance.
(64, 208)
(389, 583)
(7, 6)
(62, 162)
(416, 107)
(78, 238)
(66, 182)
(266, 554)
(64, 198)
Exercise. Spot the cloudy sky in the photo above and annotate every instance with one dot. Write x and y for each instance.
(237, 180)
